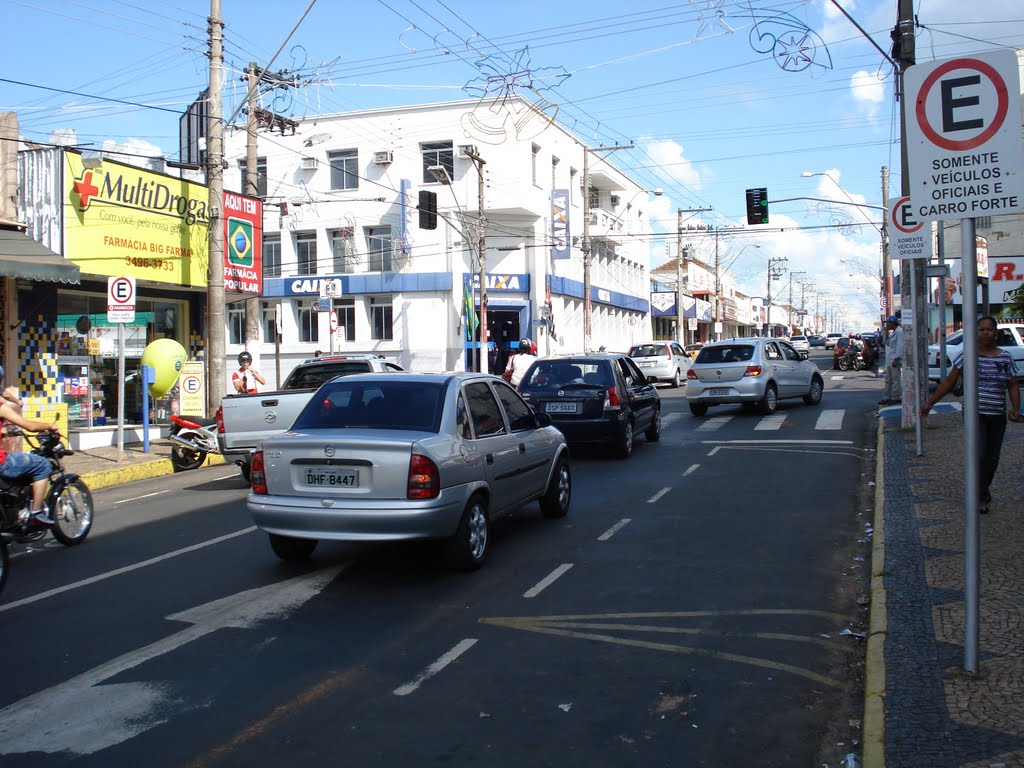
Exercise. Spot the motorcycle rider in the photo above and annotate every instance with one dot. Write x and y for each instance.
(245, 377)
(26, 466)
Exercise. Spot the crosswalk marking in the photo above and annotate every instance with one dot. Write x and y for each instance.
(774, 421)
(670, 418)
(715, 422)
(830, 419)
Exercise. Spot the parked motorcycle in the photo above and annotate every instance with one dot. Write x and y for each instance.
(194, 439)
(68, 499)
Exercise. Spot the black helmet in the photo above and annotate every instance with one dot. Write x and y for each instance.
(244, 358)
(525, 347)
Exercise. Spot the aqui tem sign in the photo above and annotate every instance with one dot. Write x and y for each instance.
(963, 136)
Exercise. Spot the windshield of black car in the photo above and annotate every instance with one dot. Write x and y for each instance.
(727, 353)
(648, 350)
(565, 374)
(384, 404)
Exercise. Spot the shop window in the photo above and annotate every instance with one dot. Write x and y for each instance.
(343, 247)
(346, 310)
(272, 255)
(236, 322)
(261, 177)
(305, 253)
(308, 320)
(437, 153)
(378, 247)
(344, 169)
(382, 319)
(268, 319)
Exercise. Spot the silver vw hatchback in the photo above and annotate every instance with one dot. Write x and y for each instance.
(399, 456)
(754, 371)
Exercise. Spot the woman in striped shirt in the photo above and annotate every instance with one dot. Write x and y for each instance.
(997, 378)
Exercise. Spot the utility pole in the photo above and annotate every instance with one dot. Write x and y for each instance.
(251, 187)
(681, 254)
(773, 273)
(719, 320)
(482, 361)
(585, 242)
(790, 314)
(215, 345)
(888, 308)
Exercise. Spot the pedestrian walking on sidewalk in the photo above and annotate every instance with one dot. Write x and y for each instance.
(893, 361)
(997, 379)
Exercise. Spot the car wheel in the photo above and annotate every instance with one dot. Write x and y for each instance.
(555, 501)
(813, 396)
(698, 409)
(625, 447)
(290, 549)
(467, 549)
(674, 383)
(770, 401)
(653, 433)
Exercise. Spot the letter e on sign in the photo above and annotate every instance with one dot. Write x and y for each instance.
(963, 137)
(120, 299)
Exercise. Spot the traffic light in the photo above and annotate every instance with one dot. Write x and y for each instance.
(757, 206)
(428, 209)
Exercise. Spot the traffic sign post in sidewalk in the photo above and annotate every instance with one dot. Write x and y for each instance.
(120, 310)
(964, 160)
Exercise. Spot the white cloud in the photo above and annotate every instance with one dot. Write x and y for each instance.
(868, 92)
(673, 165)
(138, 152)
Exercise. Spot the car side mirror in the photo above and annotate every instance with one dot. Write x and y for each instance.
(543, 419)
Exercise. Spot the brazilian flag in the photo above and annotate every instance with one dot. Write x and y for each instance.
(240, 253)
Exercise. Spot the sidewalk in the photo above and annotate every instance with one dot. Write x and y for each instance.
(921, 708)
(100, 467)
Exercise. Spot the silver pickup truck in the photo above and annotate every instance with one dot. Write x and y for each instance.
(245, 420)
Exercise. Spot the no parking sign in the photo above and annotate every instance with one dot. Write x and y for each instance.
(963, 136)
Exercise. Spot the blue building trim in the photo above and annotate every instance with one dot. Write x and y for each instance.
(353, 285)
(566, 287)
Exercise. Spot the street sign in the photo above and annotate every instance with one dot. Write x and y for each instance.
(963, 136)
(330, 289)
(908, 238)
(120, 299)
(334, 321)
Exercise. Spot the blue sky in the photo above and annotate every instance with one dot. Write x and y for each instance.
(693, 84)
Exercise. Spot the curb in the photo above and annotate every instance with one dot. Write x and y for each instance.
(142, 471)
(873, 754)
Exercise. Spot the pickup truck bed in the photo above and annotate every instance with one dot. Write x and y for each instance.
(245, 420)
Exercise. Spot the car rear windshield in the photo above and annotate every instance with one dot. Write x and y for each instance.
(312, 376)
(374, 404)
(799, 338)
(727, 353)
(648, 350)
(562, 373)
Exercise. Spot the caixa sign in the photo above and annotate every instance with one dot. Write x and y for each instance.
(510, 283)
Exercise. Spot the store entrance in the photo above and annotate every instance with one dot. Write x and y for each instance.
(504, 331)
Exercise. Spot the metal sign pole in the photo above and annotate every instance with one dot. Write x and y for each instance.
(120, 391)
(972, 549)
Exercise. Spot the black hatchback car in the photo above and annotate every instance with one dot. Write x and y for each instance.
(601, 399)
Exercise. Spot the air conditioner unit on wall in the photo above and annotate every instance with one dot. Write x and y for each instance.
(384, 157)
(467, 150)
(309, 163)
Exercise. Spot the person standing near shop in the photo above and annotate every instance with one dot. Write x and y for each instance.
(893, 361)
(997, 382)
(246, 378)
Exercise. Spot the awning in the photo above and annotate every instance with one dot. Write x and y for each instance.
(21, 256)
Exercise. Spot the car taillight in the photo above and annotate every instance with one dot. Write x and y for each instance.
(424, 479)
(753, 370)
(612, 399)
(690, 374)
(257, 477)
(220, 419)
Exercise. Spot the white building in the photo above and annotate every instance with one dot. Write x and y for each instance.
(341, 208)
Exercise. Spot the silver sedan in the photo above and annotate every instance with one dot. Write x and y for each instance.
(755, 371)
(400, 456)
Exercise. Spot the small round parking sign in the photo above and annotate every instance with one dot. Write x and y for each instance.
(191, 385)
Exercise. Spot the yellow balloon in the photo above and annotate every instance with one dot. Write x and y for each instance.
(165, 357)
